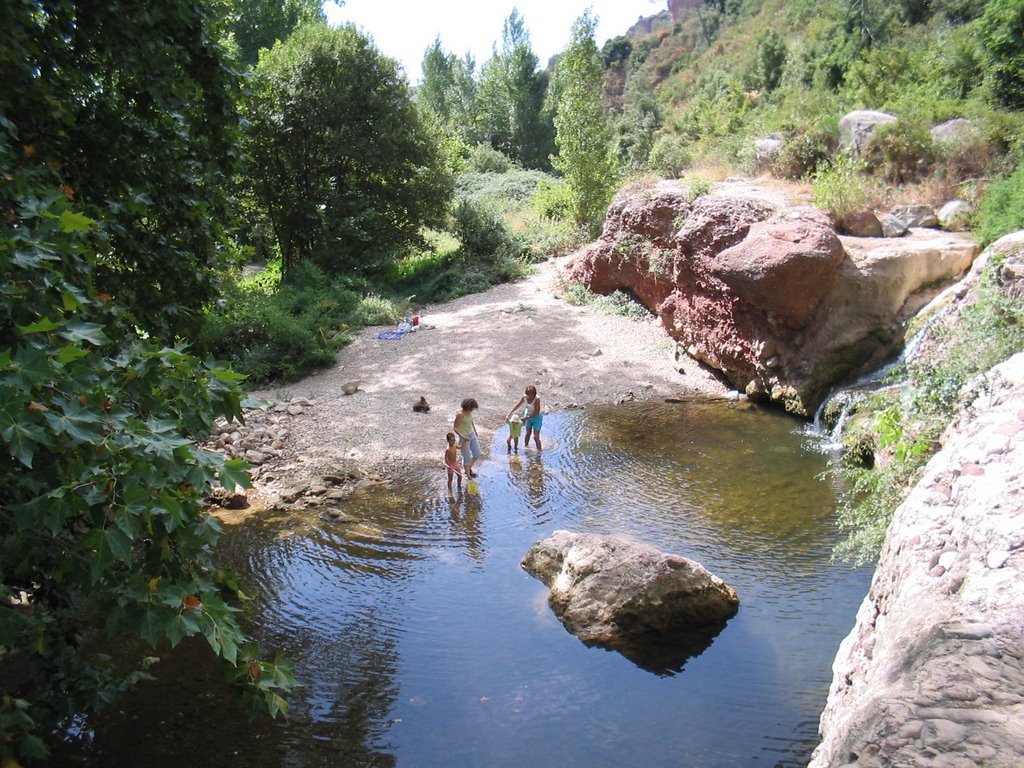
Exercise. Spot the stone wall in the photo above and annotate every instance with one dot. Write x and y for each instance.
(933, 672)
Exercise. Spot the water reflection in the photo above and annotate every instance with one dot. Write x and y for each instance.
(420, 642)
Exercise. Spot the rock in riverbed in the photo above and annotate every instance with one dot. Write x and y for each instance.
(607, 589)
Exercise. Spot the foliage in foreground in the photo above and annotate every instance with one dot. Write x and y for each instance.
(905, 428)
(104, 530)
(136, 110)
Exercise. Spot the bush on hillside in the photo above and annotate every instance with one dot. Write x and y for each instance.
(902, 152)
(670, 155)
(484, 158)
(841, 187)
(1002, 208)
(281, 332)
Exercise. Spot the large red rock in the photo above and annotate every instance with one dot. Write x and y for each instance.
(761, 290)
(784, 265)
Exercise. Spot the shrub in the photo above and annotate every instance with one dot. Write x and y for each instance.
(841, 187)
(377, 310)
(902, 151)
(1002, 207)
(802, 153)
(486, 159)
(670, 155)
(283, 332)
(906, 430)
(552, 200)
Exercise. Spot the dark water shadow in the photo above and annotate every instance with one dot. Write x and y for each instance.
(663, 653)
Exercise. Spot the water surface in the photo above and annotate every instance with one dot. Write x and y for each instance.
(420, 642)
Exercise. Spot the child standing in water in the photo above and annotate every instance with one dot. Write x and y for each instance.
(466, 430)
(529, 410)
(515, 429)
(451, 461)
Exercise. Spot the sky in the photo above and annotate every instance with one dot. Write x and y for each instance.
(404, 29)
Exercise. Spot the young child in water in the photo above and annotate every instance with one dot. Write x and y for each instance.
(451, 460)
(529, 409)
(515, 429)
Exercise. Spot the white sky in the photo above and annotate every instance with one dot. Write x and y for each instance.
(404, 29)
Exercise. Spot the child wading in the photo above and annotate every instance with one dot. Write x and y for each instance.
(451, 461)
(528, 409)
(466, 430)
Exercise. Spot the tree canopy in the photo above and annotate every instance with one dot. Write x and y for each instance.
(136, 108)
(108, 241)
(339, 159)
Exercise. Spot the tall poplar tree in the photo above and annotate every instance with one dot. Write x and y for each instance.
(583, 133)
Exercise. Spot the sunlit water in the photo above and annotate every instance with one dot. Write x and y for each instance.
(419, 641)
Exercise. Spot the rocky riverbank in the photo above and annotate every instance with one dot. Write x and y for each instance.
(933, 672)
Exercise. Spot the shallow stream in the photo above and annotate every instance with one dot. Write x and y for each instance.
(420, 642)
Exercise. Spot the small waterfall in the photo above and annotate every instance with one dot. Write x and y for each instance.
(828, 427)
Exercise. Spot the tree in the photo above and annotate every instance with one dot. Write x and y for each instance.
(636, 126)
(102, 482)
(510, 99)
(258, 24)
(582, 131)
(1002, 35)
(137, 110)
(337, 153)
(448, 91)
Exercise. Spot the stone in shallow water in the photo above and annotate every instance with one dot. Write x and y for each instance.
(658, 609)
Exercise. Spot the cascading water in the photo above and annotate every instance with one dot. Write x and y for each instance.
(835, 410)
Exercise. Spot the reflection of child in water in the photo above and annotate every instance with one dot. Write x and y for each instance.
(451, 460)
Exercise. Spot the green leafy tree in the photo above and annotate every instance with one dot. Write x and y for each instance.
(338, 155)
(447, 91)
(258, 24)
(1002, 35)
(582, 131)
(636, 127)
(102, 481)
(771, 60)
(137, 110)
(510, 99)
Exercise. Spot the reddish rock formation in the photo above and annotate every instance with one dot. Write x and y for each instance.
(765, 292)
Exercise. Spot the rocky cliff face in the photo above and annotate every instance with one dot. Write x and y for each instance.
(933, 672)
(762, 290)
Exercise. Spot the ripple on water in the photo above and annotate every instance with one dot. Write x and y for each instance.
(419, 640)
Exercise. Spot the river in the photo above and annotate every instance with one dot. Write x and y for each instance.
(421, 643)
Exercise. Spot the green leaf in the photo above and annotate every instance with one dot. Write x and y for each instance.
(23, 439)
(77, 423)
(82, 331)
(275, 704)
(32, 367)
(42, 326)
(228, 649)
(75, 222)
(175, 629)
(227, 376)
(235, 474)
(120, 545)
(151, 628)
(69, 354)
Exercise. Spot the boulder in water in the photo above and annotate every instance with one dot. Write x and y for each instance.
(608, 590)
